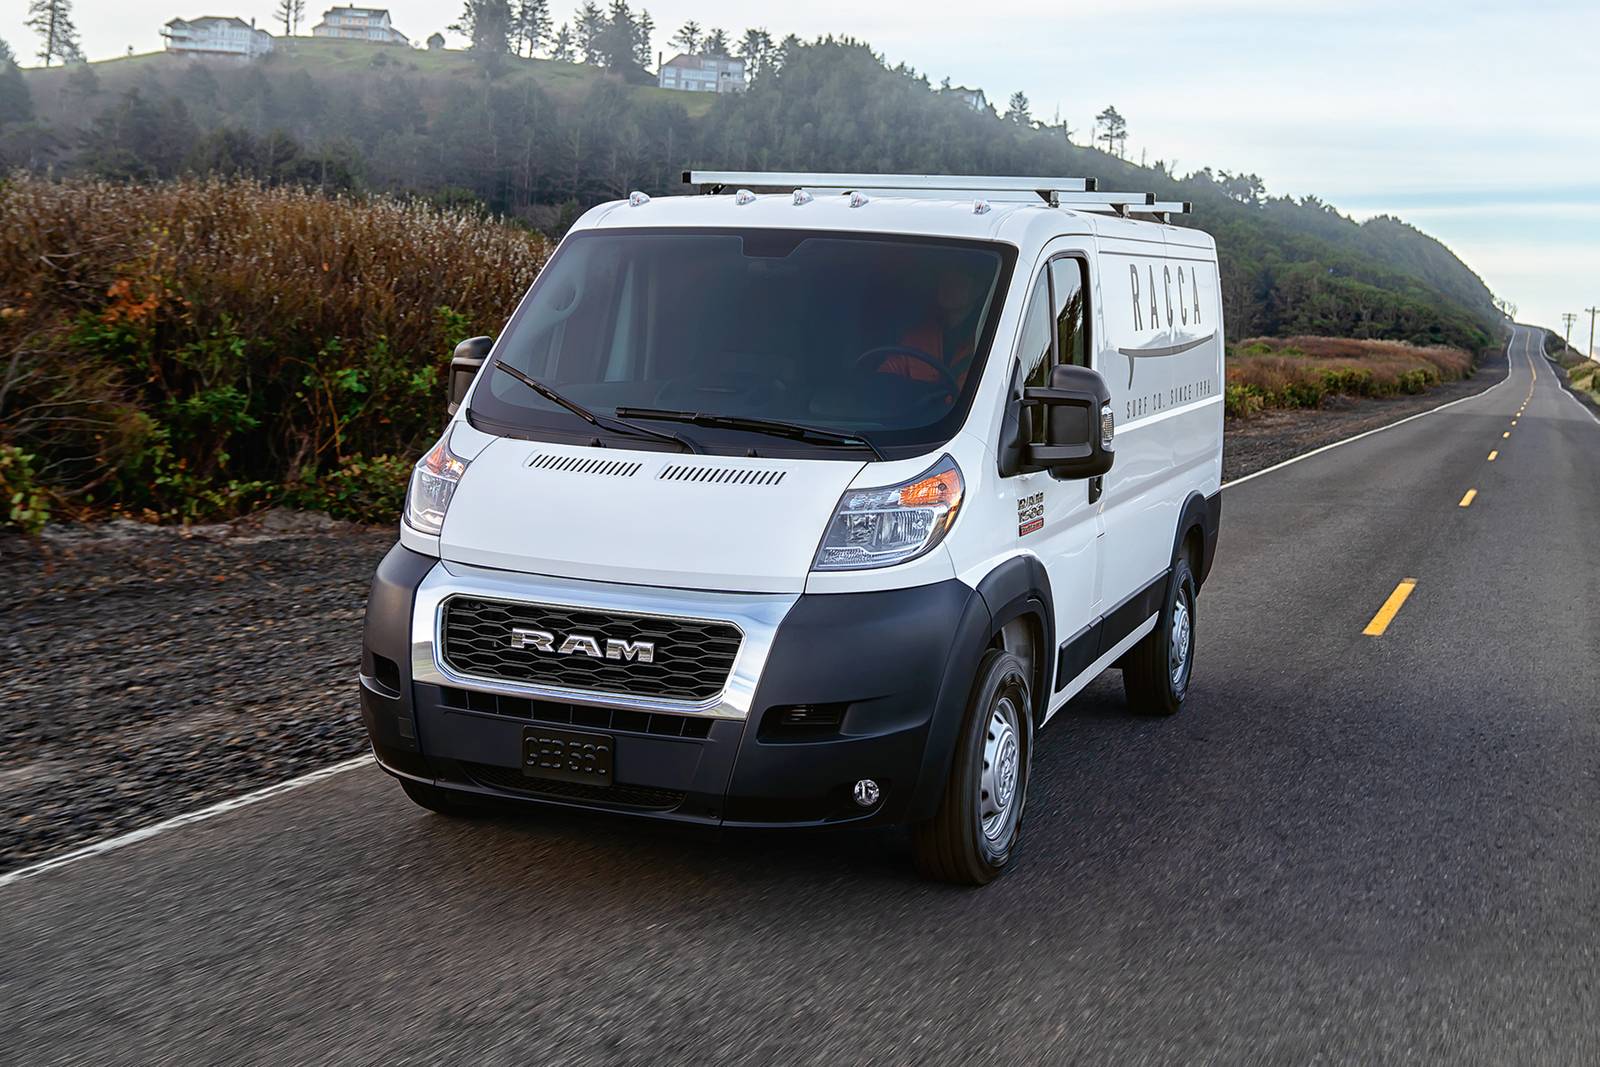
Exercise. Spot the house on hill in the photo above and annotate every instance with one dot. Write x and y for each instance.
(703, 74)
(973, 98)
(435, 41)
(351, 23)
(216, 35)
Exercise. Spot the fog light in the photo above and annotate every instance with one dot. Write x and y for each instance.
(867, 792)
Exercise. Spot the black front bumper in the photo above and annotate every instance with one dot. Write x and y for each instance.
(888, 675)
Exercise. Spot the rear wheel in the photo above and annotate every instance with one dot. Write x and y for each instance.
(1156, 671)
(443, 801)
(975, 832)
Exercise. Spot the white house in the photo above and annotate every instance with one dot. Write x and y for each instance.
(215, 35)
(703, 74)
(359, 24)
(973, 98)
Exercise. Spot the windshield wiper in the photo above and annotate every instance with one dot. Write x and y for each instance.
(774, 427)
(615, 425)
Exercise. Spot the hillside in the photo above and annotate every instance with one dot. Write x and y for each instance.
(538, 140)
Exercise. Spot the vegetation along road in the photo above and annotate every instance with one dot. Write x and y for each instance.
(1373, 834)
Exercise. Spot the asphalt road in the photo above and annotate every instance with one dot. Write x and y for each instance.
(1347, 847)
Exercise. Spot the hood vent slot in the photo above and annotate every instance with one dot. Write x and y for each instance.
(679, 472)
(605, 468)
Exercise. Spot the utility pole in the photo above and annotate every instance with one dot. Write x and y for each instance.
(1568, 318)
(1592, 313)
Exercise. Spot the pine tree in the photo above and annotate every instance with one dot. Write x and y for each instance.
(290, 13)
(531, 26)
(1019, 110)
(1114, 131)
(52, 21)
(755, 48)
(488, 23)
(591, 23)
(561, 45)
(643, 53)
(688, 37)
(715, 43)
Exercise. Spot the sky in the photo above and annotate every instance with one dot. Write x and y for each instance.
(1473, 121)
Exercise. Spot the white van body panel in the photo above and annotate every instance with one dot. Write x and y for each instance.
(647, 530)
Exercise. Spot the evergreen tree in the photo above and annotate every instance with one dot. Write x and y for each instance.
(290, 13)
(715, 43)
(16, 102)
(562, 45)
(590, 23)
(1113, 131)
(1019, 110)
(643, 53)
(488, 23)
(755, 48)
(688, 37)
(58, 37)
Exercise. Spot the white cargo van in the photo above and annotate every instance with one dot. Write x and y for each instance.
(809, 507)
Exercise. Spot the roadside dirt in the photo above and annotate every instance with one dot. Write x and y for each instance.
(149, 671)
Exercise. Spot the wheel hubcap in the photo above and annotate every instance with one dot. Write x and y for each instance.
(1182, 638)
(998, 798)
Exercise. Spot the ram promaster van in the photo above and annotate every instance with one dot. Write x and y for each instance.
(809, 508)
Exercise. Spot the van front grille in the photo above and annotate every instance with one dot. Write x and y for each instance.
(688, 659)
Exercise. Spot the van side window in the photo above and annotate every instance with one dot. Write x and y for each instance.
(1072, 334)
(1034, 350)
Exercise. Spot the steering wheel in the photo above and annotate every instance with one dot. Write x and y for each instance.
(872, 357)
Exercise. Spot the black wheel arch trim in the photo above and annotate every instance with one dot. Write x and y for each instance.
(1018, 588)
(1205, 514)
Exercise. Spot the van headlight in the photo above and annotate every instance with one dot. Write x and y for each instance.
(882, 527)
(433, 483)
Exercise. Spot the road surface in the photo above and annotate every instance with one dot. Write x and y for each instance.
(1346, 848)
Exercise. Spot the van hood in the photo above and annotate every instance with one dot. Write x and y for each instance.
(644, 518)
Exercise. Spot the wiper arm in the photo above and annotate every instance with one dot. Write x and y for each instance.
(775, 427)
(616, 425)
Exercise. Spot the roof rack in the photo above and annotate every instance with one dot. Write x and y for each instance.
(1080, 193)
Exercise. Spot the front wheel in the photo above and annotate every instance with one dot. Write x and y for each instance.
(975, 832)
(1156, 671)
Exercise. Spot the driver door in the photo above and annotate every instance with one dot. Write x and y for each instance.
(1056, 521)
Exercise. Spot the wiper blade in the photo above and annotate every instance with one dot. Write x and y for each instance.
(775, 427)
(616, 425)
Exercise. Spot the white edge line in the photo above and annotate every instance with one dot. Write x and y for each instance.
(143, 833)
(1380, 429)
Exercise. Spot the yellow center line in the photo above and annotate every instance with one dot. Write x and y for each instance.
(1466, 501)
(1391, 607)
(1493, 454)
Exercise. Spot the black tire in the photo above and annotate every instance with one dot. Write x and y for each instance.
(1149, 667)
(443, 801)
(953, 845)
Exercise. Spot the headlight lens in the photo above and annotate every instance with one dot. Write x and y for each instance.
(433, 483)
(882, 527)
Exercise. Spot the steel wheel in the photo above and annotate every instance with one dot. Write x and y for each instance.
(997, 785)
(1182, 642)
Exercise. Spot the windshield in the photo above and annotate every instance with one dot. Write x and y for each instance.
(881, 337)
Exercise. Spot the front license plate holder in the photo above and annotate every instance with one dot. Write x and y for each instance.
(568, 756)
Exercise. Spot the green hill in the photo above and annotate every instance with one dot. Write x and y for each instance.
(538, 140)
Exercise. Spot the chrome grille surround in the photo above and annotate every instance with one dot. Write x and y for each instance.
(755, 615)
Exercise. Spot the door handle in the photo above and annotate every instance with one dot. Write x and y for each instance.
(1097, 486)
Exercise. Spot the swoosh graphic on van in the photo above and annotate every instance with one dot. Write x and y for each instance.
(1154, 351)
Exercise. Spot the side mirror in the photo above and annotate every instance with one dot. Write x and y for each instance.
(469, 356)
(1076, 411)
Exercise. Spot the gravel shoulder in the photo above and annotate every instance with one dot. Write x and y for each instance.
(150, 671)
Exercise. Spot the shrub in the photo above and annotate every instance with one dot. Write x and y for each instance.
(186, 350)
(1302, 372)
(26, 506)
(362, 489)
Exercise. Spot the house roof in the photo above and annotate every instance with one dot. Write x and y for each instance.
(212, 18)
(686, 60)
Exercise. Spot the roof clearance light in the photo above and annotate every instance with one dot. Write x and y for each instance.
(802, 198)
(980, 207)
(894, 524)
(859, 199)
(637, 199)
(743, 197)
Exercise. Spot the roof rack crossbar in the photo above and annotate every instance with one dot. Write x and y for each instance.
(717, 180)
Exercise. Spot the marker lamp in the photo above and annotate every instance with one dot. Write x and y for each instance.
(433, 483)
(895, 524)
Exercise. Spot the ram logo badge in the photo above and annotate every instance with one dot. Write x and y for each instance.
(584, 645)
